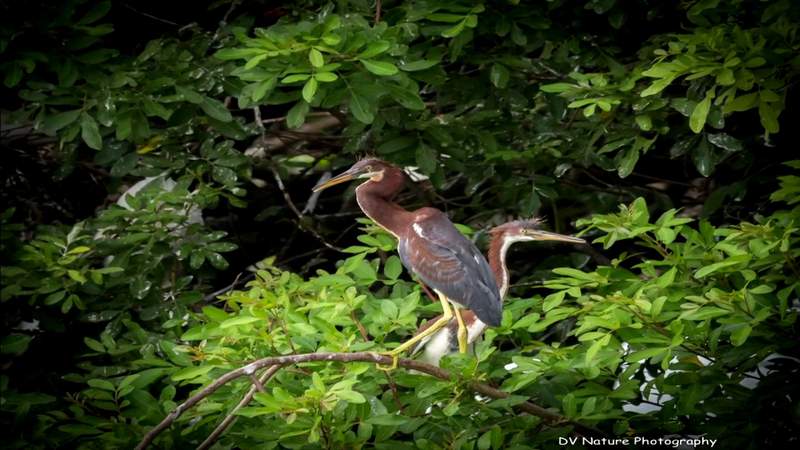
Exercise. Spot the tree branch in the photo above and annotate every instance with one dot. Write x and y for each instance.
(231, 417)
(279, 361)
(262, 146)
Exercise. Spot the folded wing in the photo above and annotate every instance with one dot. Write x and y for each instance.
(447, 261)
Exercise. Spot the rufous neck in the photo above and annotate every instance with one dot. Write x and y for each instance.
(374, 198)
(498, 247)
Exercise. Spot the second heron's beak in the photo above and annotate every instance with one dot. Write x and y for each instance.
(541, 235)
(341, 178)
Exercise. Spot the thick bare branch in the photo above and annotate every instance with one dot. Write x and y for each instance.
(262, 146)
(481, 388)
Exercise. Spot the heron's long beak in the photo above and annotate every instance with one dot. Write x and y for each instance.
(541, 235)
(341, 178)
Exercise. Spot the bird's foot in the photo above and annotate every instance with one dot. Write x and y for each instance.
(395, 359)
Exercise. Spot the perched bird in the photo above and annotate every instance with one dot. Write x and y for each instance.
(442, 342)
(430, 247)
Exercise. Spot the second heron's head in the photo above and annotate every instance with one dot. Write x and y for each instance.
(530, 230)
(371, 169)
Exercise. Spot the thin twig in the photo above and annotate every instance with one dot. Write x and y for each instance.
(224, 21)
(361, 329)
(256, 383)
(481, 388)
(212, 296)
(297, 212)
(231, 417)
(377, 11)
(150, 16)
(393, 388)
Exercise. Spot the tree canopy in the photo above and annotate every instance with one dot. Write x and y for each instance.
(159, 233)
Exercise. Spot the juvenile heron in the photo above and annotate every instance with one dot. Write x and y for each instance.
(430, 247)
(502, 237)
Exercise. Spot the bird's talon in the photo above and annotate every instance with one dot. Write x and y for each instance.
(395, 360)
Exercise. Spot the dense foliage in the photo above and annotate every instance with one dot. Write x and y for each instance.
(159, 230)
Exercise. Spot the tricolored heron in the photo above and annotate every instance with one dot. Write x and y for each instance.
(502, 237)
(430, 247)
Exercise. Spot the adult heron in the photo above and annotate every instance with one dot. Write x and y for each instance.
(430, 247)
(442, 342)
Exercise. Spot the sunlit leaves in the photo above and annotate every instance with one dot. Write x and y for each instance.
(697, 120)
(297, 115)
(315, 58)
(380, 68)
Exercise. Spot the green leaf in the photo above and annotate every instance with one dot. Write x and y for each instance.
(657, 86)
(768, 112)
(316, 58)
(711, 268)
(387, 419)
(189, 95)
(325, 77)
(191, 373)
(426, 159)
(595, 347)
(740, 335)
(55, 122)
(569, 405)
(374, 49)
(94, 345)
(397, 144)
(644, 122)
(360, 108)
(101, 384)
(557, 88)
(725, 141)
(418, 65)
(393, 268)
(644, 354)
(262, 88)
(454, 31)
(310, 89)
(627, 162)
(408, 99)
(297, 115)
(216, 109)
(698, 118)
(741, 103)
(351, 396)
(15, 344)
(90, 133)
(704, 313)
(499, 75)
(241, 320)
(227, 54)
(77, 276)
(380, 68)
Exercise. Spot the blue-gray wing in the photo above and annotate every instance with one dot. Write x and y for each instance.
(447, 261)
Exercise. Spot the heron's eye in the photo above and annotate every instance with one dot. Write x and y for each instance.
(369, 168)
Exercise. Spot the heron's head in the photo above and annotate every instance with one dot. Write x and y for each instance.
(530, 230)
(372, 169)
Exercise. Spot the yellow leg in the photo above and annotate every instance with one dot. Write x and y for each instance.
(462, 332)
(447, 314)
